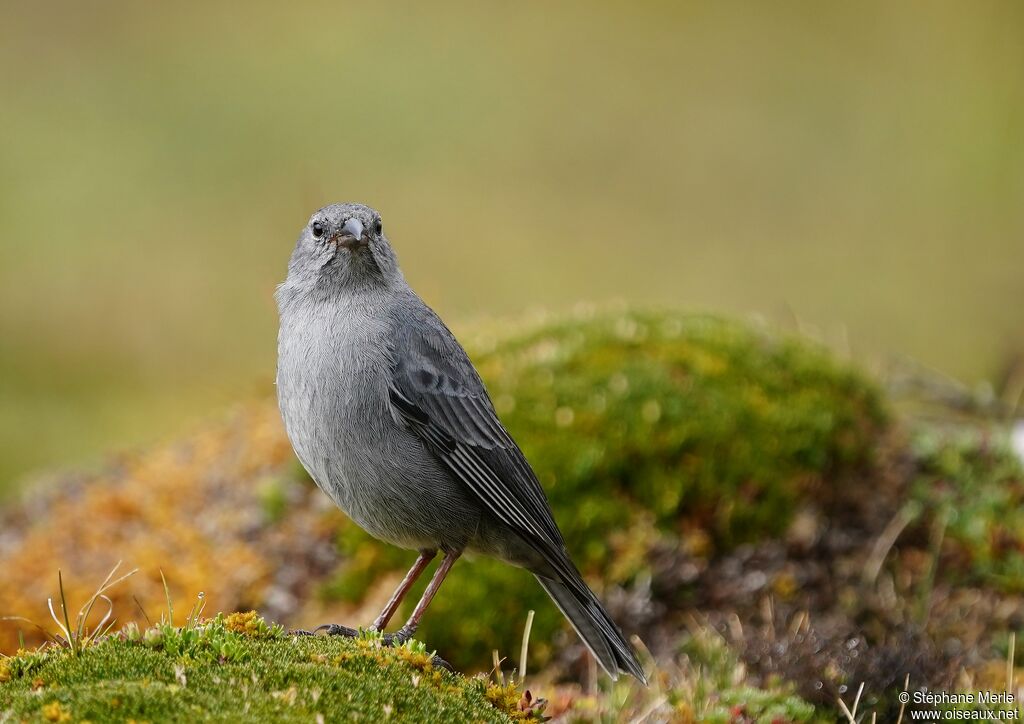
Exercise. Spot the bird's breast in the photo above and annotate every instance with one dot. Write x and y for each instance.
(333, 367)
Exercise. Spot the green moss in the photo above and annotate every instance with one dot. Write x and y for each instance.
(642, 425)
(184, 675)
(970, 485)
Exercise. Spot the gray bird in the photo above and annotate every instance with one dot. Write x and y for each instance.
(390, 418)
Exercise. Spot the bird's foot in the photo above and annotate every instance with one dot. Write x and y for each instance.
(330, 629)
(399, 637)
(336, 629)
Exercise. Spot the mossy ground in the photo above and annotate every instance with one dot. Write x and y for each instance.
(224, 670)
(237, 668)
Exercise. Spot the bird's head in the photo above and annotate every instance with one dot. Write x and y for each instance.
(343, 245)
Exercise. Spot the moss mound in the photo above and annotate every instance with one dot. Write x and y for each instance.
(642, 427)
(237, 669)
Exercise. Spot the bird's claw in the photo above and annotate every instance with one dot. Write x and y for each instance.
(330, 629)
(441, 663)
(398, 638)
(336, 629)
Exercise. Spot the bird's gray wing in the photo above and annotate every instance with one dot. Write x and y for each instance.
(436, 393)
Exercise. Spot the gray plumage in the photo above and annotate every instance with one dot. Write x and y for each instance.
(387, 413)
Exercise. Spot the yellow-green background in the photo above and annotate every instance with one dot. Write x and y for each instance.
(858, 167)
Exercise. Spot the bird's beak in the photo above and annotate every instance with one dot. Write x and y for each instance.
(353, 228)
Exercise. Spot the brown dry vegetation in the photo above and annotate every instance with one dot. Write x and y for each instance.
(190, 508)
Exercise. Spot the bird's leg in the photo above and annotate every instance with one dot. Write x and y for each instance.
(336, 629)
(405, 633)
(426, 556)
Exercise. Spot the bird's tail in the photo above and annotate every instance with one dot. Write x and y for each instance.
(586, 614)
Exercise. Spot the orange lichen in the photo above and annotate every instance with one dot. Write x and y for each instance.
(248, 623)
(190, 509)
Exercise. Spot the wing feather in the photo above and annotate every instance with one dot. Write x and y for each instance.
(437, 393)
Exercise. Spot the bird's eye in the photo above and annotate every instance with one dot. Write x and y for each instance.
(378, 227)
(318, 229)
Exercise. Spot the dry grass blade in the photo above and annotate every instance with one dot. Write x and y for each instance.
(107, 619)
(526, 645)
(884, 543)
(86, 610)
(53, 615)
(851, 715)
(903, 704)
(64, 610)
(1010, 655)
(652, 663)
(846, 711)
(142, 610)
(500, 677)
(32, 623)
(167, 595)
(77, 636)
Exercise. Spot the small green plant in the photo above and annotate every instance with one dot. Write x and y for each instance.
(212, 640)
(512, 696)
(372, 636)
(22, 664)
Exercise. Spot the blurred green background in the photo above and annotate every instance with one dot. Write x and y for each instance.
(858, 168)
